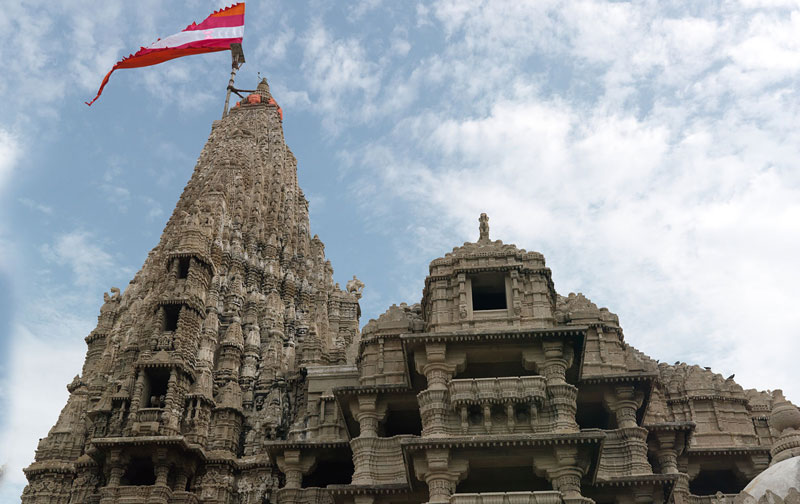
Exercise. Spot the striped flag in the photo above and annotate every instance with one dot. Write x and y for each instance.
(216, 33)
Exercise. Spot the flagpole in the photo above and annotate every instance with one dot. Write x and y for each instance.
(237, 59)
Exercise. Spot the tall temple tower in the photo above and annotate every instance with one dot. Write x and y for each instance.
(232, 371)
(201, 358)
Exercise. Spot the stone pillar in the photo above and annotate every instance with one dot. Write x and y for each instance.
(666, 455)
(117, 469)
(625, 406)
(440, 472)
(556, 362)
(161, 466)
(563, 401)
(169, 419)
(294, 465)
(138, 390)
(564, 469)
(439, 368)
(369, 413)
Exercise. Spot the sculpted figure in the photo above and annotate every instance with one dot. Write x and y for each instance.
(355, 286)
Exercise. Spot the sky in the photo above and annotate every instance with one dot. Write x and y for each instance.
(648, 149)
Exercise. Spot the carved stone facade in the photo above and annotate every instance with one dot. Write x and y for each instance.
(232, 371)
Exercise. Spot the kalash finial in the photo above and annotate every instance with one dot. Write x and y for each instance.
(263, 90)
(484, 229)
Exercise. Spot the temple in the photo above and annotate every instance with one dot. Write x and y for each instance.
(232, 370)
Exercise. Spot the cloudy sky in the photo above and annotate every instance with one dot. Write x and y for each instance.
(648, 149)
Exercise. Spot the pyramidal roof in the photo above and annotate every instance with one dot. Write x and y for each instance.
(236, 297)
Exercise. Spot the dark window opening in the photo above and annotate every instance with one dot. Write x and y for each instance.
(488, 291)
(183, 267)
(711, 482)
(502, 479)
(140, 472)
(521, 413)
(330, 472)
(155, 387)
(594, 416)
(402, 422)
(474, 414)
(189, 482)
(171, 314)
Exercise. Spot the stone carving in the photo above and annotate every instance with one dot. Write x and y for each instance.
(232, 370)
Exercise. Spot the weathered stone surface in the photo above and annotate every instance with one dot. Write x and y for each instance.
(232, 370)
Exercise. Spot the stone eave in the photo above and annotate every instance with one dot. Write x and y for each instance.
(94, 335)
(492, 334)
(588, 436)
(389, 388)
(341, 393)
(593, 437)
(49, 466)
(202, 256)
(646, 379)
(670, 426)
(729, 450)
(637, 480)
(178, 441)
(275, 448)
(623, 377)
(706, 397)
(666, 480)
(384, 489)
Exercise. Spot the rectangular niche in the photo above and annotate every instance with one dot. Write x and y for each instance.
(489, 291)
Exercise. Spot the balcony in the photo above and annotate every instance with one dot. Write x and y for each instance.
(149, 494)
(148, 421)
(483, 391)
(507, 498)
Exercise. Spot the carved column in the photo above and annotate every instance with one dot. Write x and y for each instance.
(625, 406)
(666, 455)
(294, 465)
(117, 468)
(440, 472)
(564, 468)
(438, 367)
(369, 413)
(556, 362)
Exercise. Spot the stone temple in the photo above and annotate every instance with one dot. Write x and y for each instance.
(232, 370)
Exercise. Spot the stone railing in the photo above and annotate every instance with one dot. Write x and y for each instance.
(184, 498)
(147, 415)
(150, 494)
(304, 496)
(507, 498)
(148, 422)
(497, 390)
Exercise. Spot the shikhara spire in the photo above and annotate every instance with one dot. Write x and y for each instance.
(231, 371)
(200, 358)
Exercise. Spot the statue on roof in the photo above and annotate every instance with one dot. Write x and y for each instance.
(484, 228)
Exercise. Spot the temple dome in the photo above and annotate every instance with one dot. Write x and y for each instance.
(778, 479)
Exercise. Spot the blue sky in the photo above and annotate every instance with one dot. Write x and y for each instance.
(649, 150)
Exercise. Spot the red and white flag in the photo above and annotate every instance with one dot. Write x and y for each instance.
(216, 33)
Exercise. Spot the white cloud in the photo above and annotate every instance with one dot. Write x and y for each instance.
(77, 250)
(35, 397)
(680, 215)
(10, 151)
(33, 205)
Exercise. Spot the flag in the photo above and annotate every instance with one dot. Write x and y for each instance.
(216, 33)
